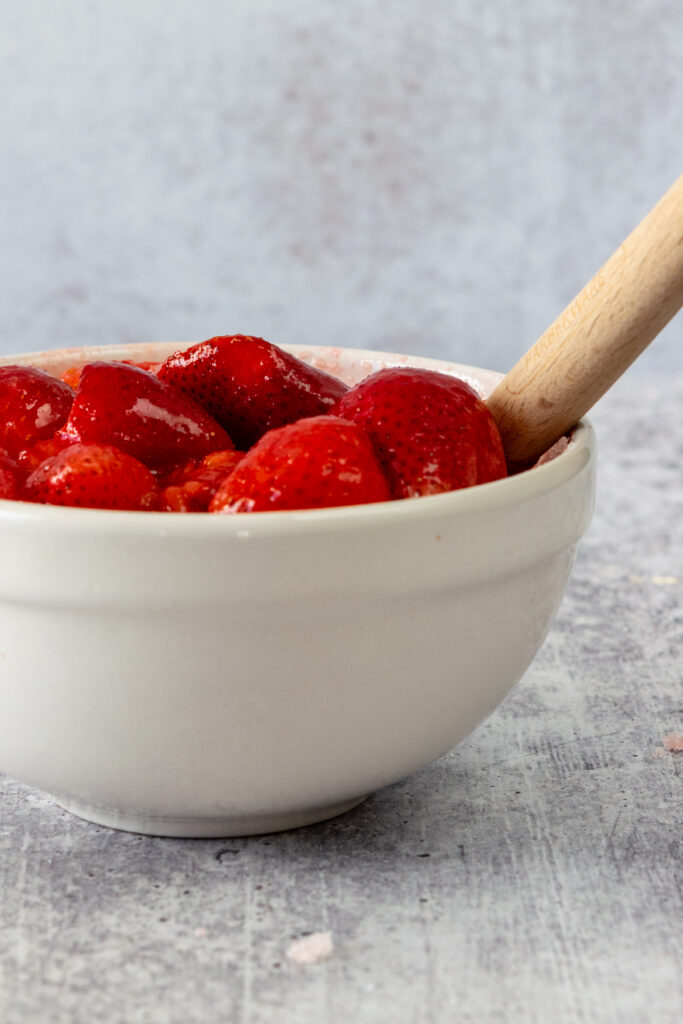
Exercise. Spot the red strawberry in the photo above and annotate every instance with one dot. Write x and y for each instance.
(147, 364)
(191, 487)
(93, 476)
(10, 477)
(130, 408)
(431, 431)
(30, 458)
(32, 406)
(72, 375)
(314, 463)
(249, 385)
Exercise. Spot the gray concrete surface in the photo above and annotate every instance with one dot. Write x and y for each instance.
(435, 177)
(532, 875)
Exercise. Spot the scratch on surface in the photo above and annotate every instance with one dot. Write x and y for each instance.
(21, 944)
(609, 842)
(658, 581)
(327, 993)
(247, 971)
(552, 747)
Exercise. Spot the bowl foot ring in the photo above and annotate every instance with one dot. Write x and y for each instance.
(219, 827)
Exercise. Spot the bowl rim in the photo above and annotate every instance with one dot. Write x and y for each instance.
(507, 492)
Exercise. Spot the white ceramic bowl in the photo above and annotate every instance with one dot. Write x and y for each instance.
(198, 675)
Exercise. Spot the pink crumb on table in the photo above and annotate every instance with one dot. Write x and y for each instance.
(671, 743)
(311, 948)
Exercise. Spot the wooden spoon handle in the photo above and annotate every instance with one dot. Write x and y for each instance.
(628, 302)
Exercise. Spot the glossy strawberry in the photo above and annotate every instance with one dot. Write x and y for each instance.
(30, 458)
(314, 463)
(72, 375)
(190, 487)
(11, 477)
(33, 405)
(93, 476)
(129, 408)
(249, 385)
(431, 431)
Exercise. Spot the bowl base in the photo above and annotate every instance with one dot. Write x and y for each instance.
(206, 827)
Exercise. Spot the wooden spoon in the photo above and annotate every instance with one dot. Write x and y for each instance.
(618, 313)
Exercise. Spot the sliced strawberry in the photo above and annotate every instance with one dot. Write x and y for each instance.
(11, 477)
(93, 476)
(314, 463)
(249, 385)
(33, 405)
(71, 376)
(129, 408)
(191, 487)
(431, 431)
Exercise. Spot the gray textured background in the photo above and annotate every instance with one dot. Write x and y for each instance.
(438, 178)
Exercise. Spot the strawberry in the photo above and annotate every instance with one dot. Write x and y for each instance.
(72, 375)
(10, 477)
(146, 364)
(190, 487)
(249, 385)
(30, 458)
(93, 476)
(33, 405)
(431, 431)
(315, 463)
(125, 406)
